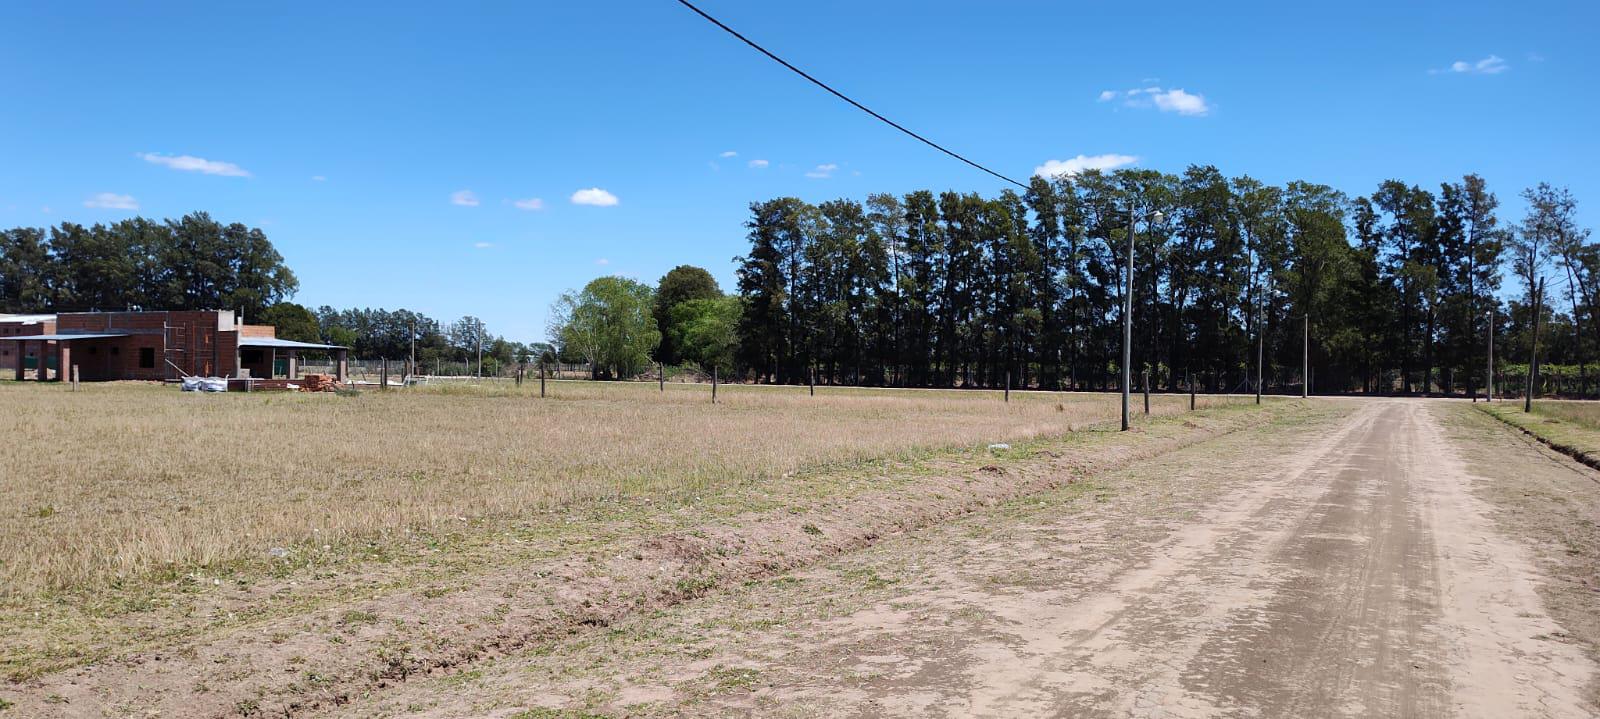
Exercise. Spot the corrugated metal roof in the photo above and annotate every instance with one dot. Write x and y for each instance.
(60, 338)
(284, 344)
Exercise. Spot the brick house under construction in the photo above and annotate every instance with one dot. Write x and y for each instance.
(163, 346)
(13, 356)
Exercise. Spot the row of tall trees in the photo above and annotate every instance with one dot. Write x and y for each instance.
(1395, 289)
(190, 263)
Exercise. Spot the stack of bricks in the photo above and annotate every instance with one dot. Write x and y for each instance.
(318, 383)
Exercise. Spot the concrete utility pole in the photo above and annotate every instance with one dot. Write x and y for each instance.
(1127, 323)
(1533, 360)
(1261, 343)
(1127, 314)
(413, 366)
(480, 353)
(1488, 377)
(1305, 360)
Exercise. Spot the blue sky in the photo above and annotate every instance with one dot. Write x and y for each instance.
(384, 147)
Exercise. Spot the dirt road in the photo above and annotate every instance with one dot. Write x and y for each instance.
(1354, 564)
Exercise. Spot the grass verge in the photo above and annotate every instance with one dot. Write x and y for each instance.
(1571, 428)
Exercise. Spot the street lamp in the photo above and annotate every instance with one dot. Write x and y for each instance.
(1127, 312)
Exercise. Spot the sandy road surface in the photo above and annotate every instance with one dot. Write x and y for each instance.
(1344, 565)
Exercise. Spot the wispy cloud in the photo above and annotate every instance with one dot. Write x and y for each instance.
(464, 198)
(318, 178)
(594, 196)
(822, 172)
(728, 154)
(1491, 65)
(1175, 100)
(1073, 166)
(112, 201)
(190, 163)
(530, 204)
(602, 262)
(758, 164)
(483, 245)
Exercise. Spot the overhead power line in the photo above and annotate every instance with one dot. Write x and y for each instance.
(842, 96)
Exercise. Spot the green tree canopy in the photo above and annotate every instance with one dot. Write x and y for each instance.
(610, 324)
(706, 332)
(681, 284)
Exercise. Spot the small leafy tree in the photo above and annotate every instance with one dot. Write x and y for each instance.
(610, 324)
(706, 332)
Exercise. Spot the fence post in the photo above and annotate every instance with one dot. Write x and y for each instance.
(383, 375)
(1188, 378)
(813, 380)
(713, 384)
(74, 378)
(542, 365)
(661, 375)
(1008, 386)
(1147, 391)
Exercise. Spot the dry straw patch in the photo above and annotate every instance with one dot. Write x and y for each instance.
(127, 481)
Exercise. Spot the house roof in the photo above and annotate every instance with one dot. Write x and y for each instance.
(27, 319)
(68, 337)
(284, 344)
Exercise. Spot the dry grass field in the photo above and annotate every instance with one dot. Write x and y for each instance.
(125, 483)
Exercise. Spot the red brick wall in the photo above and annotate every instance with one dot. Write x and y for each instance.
(8, 350)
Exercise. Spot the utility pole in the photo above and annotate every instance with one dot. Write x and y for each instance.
(1261, 343)
(1305, 360)
(1127, 323)
(1488, 377)
(480, 353)
(1533, 361)
(413, 366)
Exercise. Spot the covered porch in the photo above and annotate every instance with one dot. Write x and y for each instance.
(97, 355)
(270, 358)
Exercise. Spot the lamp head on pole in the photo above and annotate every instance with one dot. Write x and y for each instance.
(1158, 217)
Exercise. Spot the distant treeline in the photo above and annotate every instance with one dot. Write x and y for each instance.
(960, 290)
(191, 263)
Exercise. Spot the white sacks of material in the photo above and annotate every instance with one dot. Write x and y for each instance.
(205, 384)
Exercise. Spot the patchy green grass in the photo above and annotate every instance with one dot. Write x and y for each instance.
(1568, 426)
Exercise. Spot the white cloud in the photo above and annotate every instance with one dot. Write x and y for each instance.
(45, 209)
(318, 178)
(1078, 164)
(483, 245)
(758, 164)
(532, 203)
(728, 154)
(190, 163)
(822, 172)
(594, 196)
(1174, 100)
(1181, 102)
(112, 201)
(464, 198)
(1491, 65)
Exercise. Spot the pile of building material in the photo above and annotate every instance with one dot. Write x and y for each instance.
(204, 384)
(319, 383)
